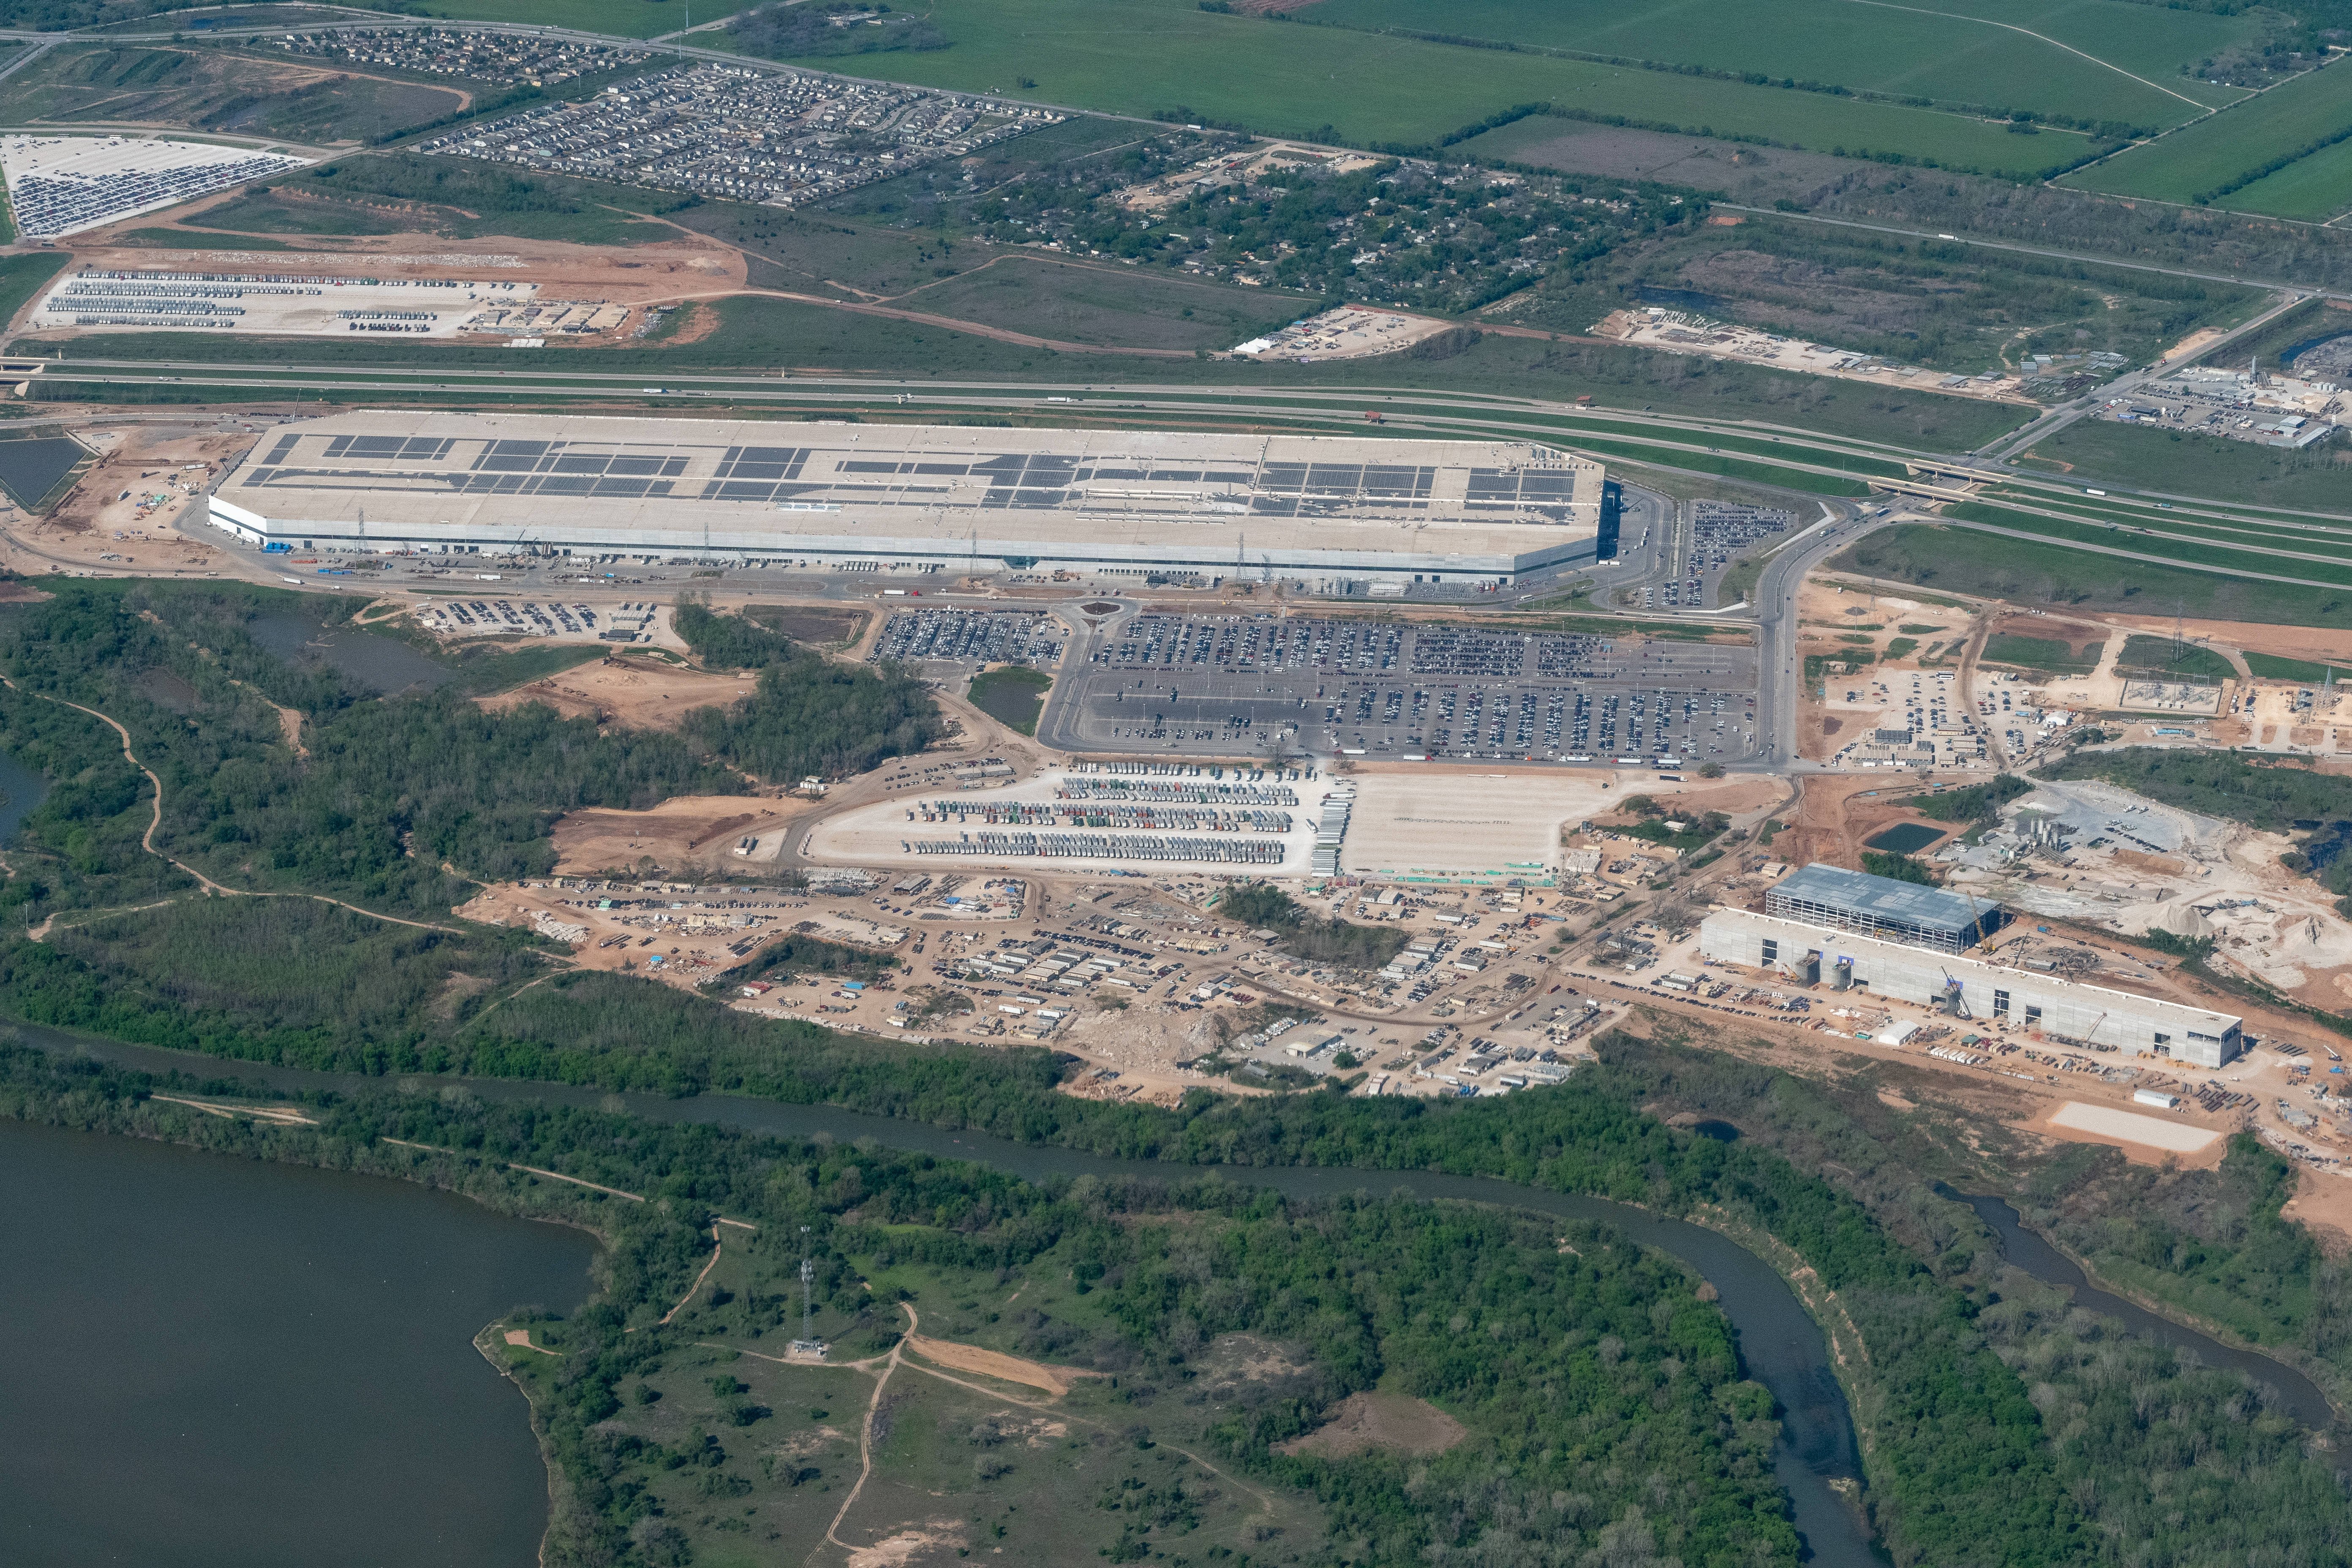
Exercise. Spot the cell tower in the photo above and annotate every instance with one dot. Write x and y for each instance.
(808, 1347)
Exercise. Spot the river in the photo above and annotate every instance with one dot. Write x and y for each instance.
(1780, 1346)
(2289, 1390)
(223, 1363)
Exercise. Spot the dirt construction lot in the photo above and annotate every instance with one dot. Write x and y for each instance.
(693, 829)
(642, 693)
(164, 467)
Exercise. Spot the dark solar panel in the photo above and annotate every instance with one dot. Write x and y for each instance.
(284, 449)
(1349, 477)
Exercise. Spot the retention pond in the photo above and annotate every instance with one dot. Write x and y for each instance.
(221, 1363)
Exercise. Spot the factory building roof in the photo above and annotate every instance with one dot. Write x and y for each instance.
(495, 480)
(1879, 903)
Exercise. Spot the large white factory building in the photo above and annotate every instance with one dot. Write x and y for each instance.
(897, 497)
(1990, 993)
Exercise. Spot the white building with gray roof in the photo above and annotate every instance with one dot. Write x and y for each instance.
(902, 497)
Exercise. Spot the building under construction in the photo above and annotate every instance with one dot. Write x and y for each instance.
(1318, 509)
(1881, 906)
(1991, 995)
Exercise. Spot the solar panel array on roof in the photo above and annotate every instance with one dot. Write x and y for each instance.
(923, 497)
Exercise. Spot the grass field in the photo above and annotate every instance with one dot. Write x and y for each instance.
(1964, 560)
(1954, 54)
(2156, 657)
(625, 18)
(218, 90)
(21, 277)
(451, 196)
(2251, 551)
(1169, 57)
(1082, 304)
(2314, 188)
(1014, 696)
(2200, 158)
(783, 335)
(1945, 307)
(2271, 667)
(2187, 464)
(2046, 654)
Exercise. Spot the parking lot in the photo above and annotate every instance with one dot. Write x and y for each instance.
(1721, 532)
(1222, 684)
(972, 638)
(531, 618)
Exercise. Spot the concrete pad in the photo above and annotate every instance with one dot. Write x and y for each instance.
(2130, 1127)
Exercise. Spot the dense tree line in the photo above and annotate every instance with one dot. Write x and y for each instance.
(2170, 1462)
(2269, 796)
(1975, 803)
(1960, 1443)
(1602, 1391)
(398, 803)
(812, 716)
(727, 642)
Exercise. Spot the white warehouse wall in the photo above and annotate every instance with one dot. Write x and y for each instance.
(2067, 1009)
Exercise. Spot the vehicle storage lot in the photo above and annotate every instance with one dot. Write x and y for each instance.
(1216, 684)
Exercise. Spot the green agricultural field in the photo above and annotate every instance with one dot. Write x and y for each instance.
(623, 18)
(2192, 163)
(1967, 54)
(2315, 188)
(1169, 57)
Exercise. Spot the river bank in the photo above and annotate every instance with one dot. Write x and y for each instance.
(1816, 1462)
